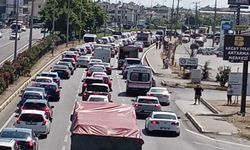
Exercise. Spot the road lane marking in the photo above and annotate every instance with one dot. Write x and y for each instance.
(208, 145)
(63, 148)
(66, 138)
(216, 140)
(7, 122)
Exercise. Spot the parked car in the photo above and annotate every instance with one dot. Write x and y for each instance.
(36, 120)
(162, 121)
(144, 105)
(25, 138)
(161, 93)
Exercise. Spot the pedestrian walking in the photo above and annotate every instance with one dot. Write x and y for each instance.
(229, 94)
(156, 44)
(165, 62)
(197, 94)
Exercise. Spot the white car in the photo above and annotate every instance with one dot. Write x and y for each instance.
(162, 121)
(44, 79)
(8, 144)
(83, 61)
(95, 60)
(98, 98)
(94, 74)
(23, 28)
(36, 120)
(13, 36)
(161, 93)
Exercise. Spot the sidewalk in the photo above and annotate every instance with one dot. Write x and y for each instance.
(195, 113)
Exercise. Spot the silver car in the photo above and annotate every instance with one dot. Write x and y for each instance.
(161, 93)
(83, 61)
(144, 105)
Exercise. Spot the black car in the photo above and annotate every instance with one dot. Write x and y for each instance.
(68, 64)
(52, 90)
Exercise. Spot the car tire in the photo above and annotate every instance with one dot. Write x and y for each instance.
(147, 131)
(177, 133)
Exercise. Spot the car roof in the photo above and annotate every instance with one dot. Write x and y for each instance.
(158, 88)
(147, 97)
(34, 92)
(132, 59)
(48, 72)
(100, 96)
(6, 142)
(96, 78)
(47, 83)
(32, 87)
(100, 84)
(18, 130)
(90, 35)
(43, 77)
(27, 111)
(164, 112)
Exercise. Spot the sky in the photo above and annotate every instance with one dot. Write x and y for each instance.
(183, 3)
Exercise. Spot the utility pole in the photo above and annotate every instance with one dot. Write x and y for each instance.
(53, 21)
(196, 15)
(172, 16)
(80, 32)
(214, 23)
(177, 15)
(31, 24)
(105, 24)
(67, 42)
(16, 29)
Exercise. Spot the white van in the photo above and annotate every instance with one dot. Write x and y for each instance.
(103, 53)
(139, 78)
(89, 38)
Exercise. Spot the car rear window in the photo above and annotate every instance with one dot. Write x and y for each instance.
(90, 81)
(147, 101)
(49, 87)
(36, 106)
(96, 69)
(158, 90)
(164, 116)
(96, 99)
(32, 96)
(49, 75)
(5, 148)
(31, 118)
(14, 134)
(97, 88)
(136, 76)
(43, 80)
(132, 62)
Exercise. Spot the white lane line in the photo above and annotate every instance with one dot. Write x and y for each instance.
(66, 138)
(208, 145)
(63, 148)
(7, 122)
(216, 140)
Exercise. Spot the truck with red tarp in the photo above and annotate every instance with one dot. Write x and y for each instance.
(104, 126)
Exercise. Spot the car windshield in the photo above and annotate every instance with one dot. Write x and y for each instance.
(36, 106)
(48, 75)
(31, 118)
(68, 60)
(164, 116)
(32, 96)
(158, 90)
(49, 87)
(136, 76)
(35, 89)
(5, 148)
(147, 101)
(97, 99)
(97, 88)
(44, 80)
(14, 134)
(131, 62)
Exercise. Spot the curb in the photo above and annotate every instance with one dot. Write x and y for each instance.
(17, 92)
(148, 63)
(195, 122)
(209, 106)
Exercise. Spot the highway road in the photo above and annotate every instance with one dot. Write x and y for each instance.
(59, 137)
(7, 45)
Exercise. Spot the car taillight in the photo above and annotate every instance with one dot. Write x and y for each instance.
(85, 85)
(154, 122)
(18, 121)
(30, 144)
(158, 106)
(57, 90)
(149, 94)
(84, 94)
(46, 109)
(175, 123)
(110, 82)
(44, 122)
(108, 68)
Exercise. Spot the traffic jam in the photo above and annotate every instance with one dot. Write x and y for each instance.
(34, 113)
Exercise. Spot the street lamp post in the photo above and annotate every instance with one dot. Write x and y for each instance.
(214, 23)
(53, 21)
(16, 29)
(68, 25)
(171, 25)
(31, 24)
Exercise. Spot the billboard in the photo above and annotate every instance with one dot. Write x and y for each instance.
(239, 2)
(236, 47)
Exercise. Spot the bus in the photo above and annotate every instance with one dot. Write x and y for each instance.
(145, 37)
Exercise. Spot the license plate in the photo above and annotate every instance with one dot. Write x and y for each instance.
(30, 123)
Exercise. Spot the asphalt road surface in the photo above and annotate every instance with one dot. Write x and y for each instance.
(59, 137)
(7, 45)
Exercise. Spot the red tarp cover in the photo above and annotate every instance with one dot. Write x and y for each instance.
(105, 119)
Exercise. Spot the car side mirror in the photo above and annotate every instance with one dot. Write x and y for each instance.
(170, 92)
(79, 94)
(71, 117)
(20, 95)
(125, 81)
(60, 87)
(132, 100)
(179, 117)
(16, 115)
(111, 79)
(33, 79)
(52, 106)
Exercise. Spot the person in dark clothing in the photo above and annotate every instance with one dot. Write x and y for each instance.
(229, 94)
(198, 92)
